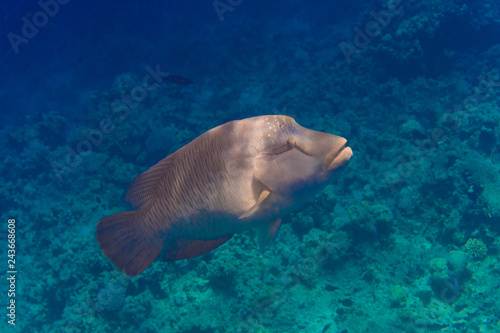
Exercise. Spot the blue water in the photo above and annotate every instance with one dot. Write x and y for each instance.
(405, 239)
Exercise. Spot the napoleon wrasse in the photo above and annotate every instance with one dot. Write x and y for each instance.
(240, 175)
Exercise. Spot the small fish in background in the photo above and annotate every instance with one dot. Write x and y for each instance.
(178, 79)
(241, 175)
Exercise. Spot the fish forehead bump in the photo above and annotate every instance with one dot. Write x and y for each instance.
(274, 129)
(275, 120)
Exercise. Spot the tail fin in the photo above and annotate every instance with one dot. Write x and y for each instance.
(127, 247)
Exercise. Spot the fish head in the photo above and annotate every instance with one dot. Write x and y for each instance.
(293, 161)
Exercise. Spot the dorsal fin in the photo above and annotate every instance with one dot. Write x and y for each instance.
(145, 188)
(191, 167)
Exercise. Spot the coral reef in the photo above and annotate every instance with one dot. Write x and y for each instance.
(406, 239)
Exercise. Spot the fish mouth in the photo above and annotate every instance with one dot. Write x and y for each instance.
(337, 158)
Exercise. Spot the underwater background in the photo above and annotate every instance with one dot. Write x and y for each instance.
(406, 239)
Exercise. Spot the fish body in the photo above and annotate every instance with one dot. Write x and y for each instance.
(178, 79)
(241, 175)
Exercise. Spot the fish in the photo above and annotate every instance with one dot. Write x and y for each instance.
(242, 175)
(326, 328)
(178, 79)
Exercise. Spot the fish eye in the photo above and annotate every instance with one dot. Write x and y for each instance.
(289, 145)
(280, 150)
(292, 143)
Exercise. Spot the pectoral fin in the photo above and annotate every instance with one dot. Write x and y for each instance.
(263, 195)
(267, 233)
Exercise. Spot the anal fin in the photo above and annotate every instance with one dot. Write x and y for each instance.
(182, 248)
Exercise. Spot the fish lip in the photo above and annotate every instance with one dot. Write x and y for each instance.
(337, 158)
